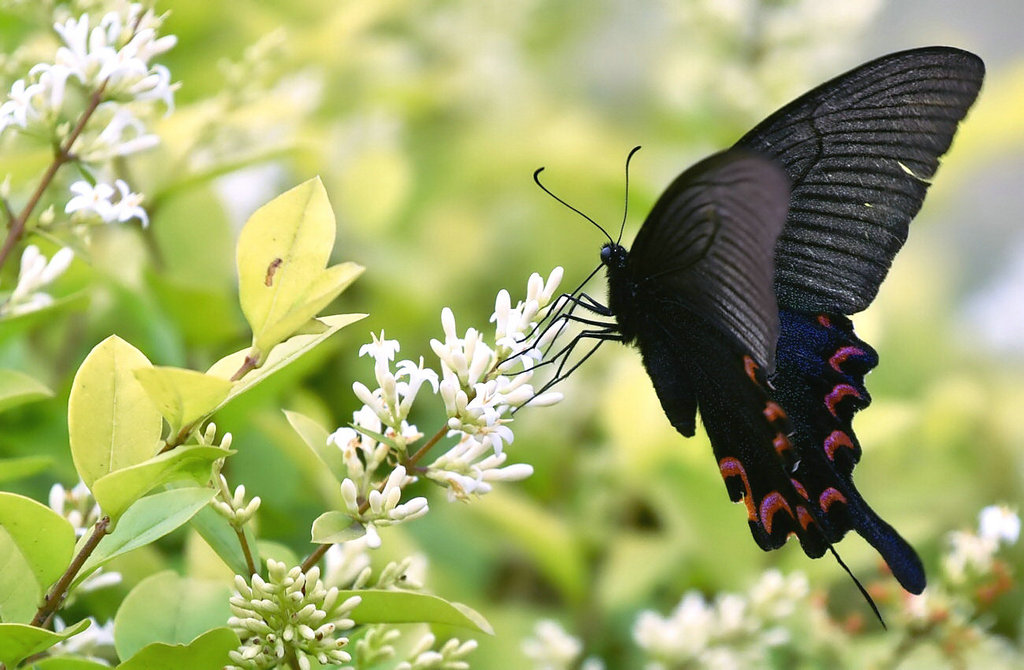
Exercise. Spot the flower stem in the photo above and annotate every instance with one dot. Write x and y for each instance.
(53, 599)
(62, 155)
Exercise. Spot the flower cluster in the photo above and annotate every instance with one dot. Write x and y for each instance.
(449, 657)
(112, 57)
(93, 203)
(972, 554)
(733, 631)
(35, 274)
(551, 647)
(479, 391)
(292, 615)
(382, 505)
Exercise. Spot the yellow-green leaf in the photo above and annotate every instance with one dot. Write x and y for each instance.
(209, 650)
(35, 548)
(181, 395)
(333, 527)
(280, 356)
(116, 492)
(321, 291)
(19, 641)
(283, 249)
(112, 423)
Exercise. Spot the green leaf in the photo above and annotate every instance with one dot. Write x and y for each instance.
(334, 526)
(19, 641)
(68, 663)
(181, 395)
(220, 535)
(112, 424)
(280, 356)
(209, 650)
(385, 606)
(36, 545)
(146, 521)
(117, 491)
(170, 609)
(12, 469)
(315, 436)
(283, 250)
(17, 388)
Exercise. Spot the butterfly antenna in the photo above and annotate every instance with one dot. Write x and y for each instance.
(625, 207)
(536, 178)
(863, 591)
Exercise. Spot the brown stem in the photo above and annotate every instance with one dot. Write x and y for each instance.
(249, 563)
(248, 364)
(422, 451)
(57, 594)
(315, 557)
(61, 156)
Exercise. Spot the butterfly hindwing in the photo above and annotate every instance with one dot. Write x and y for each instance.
(859, 151)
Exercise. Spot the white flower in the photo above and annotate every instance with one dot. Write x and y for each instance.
(115, 54)
(94, 202)
(91, 200)
(124, 134)
(969, 554)
(551, 647)
(34, 274)
(95, 642)
(999, 523)
(380, 348)
(682, 635)
(467, 468)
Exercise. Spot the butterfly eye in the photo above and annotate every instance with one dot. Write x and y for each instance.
(606, 253)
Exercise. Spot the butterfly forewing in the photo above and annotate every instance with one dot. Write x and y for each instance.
(707, 244)
(859, 151)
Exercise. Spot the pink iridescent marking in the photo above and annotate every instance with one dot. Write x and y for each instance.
(799, 488)
(731, 467)
(837, 394)
(829, 496)
(841, 355)
(770, 504)
(836, 439)
(824, 320)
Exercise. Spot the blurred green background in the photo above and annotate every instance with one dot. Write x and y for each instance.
(426, 120)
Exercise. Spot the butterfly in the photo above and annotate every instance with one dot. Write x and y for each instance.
(738, 288)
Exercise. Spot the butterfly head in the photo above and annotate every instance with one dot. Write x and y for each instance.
(613, 256)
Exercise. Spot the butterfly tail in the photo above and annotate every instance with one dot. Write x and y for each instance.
(819, 379)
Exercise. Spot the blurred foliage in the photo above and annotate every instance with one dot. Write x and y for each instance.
(425, 121)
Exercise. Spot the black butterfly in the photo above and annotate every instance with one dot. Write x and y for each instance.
(737, 287)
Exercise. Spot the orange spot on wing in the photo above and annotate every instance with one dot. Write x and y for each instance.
(751, 368)
(773, 412)
(824, 320)
(805, 518)
(781, 444)
(731, 467)
(838, 358)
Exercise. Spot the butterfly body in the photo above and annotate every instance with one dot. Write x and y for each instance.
(737, 288)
